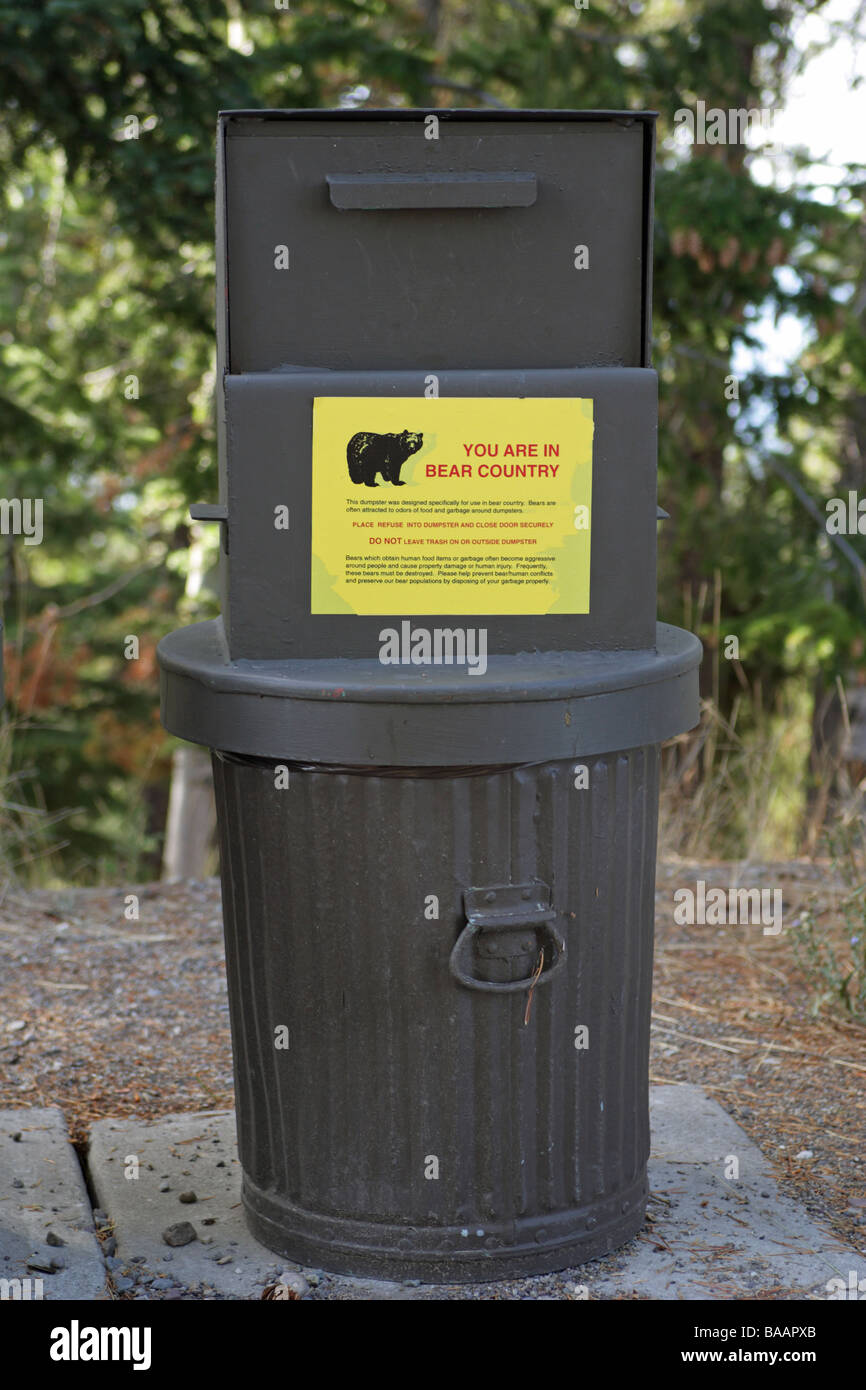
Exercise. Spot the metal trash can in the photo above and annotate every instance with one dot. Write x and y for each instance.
(438, 689)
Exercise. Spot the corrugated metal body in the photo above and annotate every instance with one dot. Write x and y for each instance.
(414, 1127)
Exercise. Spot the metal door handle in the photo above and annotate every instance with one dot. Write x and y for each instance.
(380, 192)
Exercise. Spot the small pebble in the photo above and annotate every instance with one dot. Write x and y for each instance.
(181, 1233)
(289, 1286)
(52, 1238)
(187, 1198)
(295, 1282)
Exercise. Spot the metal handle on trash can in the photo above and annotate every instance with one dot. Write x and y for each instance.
(507, 907)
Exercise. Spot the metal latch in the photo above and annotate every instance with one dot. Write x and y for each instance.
(213, 511)
(508, 928)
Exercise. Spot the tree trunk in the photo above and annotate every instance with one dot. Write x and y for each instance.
(191, 822)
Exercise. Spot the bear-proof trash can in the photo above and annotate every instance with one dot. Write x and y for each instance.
(438, 690)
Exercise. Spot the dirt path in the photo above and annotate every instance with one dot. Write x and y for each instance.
(106, 1016)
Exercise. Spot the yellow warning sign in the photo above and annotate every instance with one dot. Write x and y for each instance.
(457, 505)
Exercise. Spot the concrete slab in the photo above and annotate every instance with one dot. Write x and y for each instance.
(688, 1126)
(718, 1226)
(46, 1224)
(138, 1171)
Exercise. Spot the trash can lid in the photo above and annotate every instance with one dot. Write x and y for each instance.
(528, 707)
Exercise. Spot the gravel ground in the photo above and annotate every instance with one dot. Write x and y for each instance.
(105, 1016)
(732, 1013)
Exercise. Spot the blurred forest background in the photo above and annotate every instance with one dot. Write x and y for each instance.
(106, 343)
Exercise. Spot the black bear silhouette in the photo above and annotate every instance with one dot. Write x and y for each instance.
(368, 454)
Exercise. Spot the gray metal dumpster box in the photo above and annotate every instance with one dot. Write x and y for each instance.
(427, 254)
(438, 689)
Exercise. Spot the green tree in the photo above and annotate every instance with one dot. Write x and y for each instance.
(106, 290)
